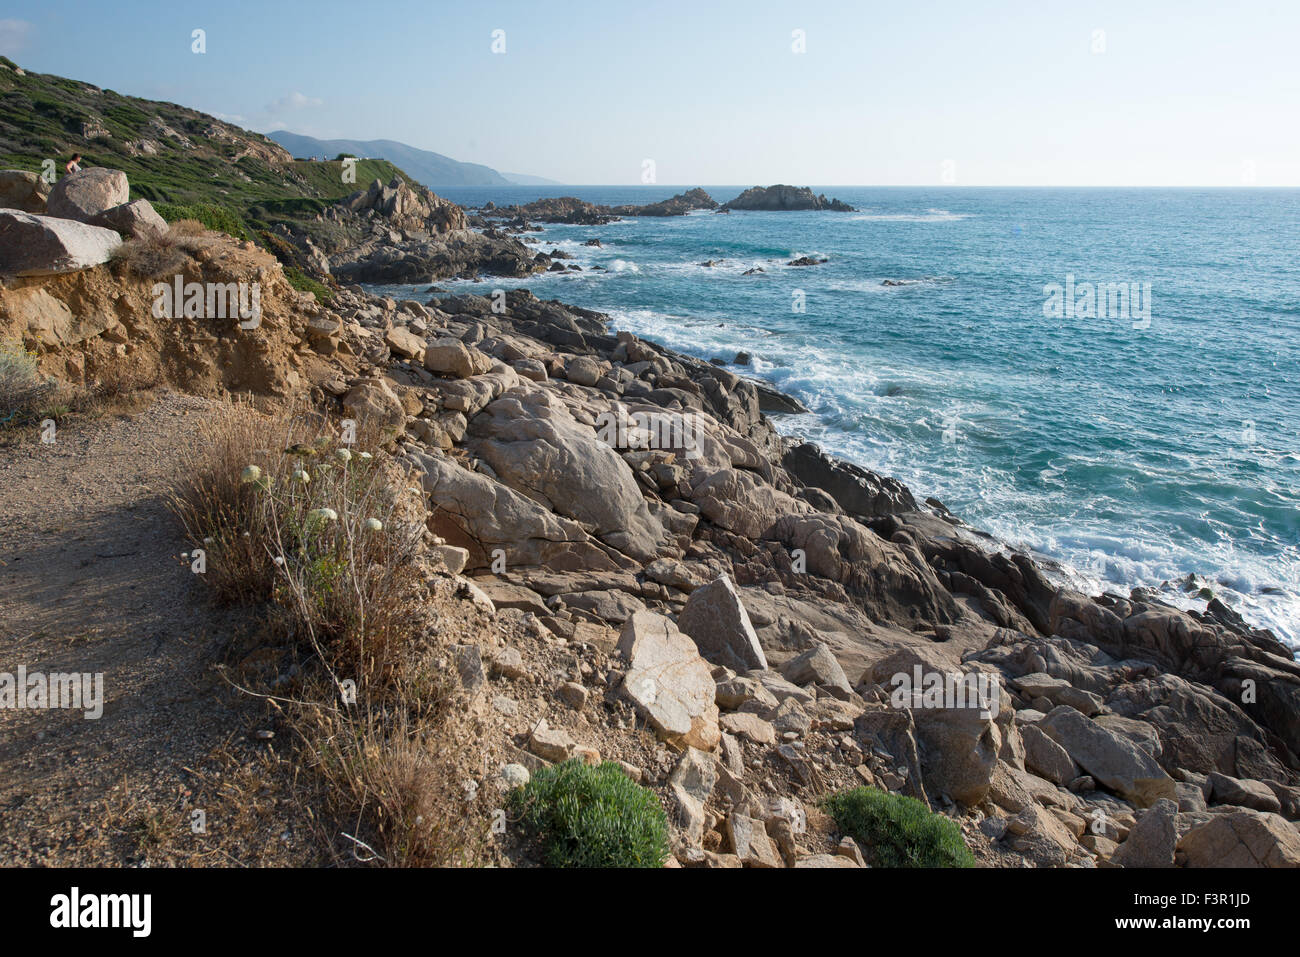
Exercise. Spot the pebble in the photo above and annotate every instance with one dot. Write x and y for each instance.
(573, 694)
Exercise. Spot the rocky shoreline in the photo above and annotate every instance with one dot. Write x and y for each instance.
(774, 618)
(766, 551)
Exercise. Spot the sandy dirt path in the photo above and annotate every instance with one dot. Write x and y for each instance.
(92, 581)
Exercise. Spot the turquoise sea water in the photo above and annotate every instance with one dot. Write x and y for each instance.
(1133, 450)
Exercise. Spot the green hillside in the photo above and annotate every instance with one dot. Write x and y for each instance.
(178, 158)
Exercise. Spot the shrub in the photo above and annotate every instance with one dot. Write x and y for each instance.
(593, 817)
(304, 283)
(21, 385)
(279, 247)
(898, 831)
(211, 215)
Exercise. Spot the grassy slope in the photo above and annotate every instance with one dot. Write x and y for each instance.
(42, 116)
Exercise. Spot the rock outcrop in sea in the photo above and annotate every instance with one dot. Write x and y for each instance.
(679, 205)
(397, 233)
(571, 210)
(785, 198)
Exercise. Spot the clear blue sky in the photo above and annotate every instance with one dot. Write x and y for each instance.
(1186, 92)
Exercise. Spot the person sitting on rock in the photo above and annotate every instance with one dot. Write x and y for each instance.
(74, 165)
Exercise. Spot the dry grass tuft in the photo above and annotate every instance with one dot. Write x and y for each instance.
(119, 383)
(395, 780)
(22, 387)
(319, 534)
(185, 230)
(169, 254)
(287, 514)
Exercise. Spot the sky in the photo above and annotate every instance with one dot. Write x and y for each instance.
(1049, 92)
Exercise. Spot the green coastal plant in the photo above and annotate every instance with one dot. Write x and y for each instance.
(590, 816)
(304, 283)
(898, 831)
(211, 215)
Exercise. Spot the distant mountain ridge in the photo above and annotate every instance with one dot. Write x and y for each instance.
(523, 179)
(429, 168)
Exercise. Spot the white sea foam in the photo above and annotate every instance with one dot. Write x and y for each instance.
(1259, 589)
(575, 247)
(876, 284)
(1046, 519)
(929, 216)
(720, 267)
(1050, 522)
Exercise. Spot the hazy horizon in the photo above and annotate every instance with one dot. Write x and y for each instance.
(1171, 95)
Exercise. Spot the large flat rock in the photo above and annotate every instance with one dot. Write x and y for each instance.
(668, 681)
(1114, 762)
(1241, 839)
(32, 245)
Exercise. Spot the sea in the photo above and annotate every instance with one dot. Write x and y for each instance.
(1109, 378)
